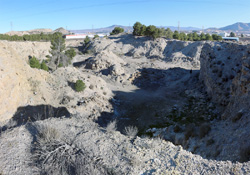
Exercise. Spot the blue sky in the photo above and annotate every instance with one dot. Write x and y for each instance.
(75, 14)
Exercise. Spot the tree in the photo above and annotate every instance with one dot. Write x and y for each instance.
(232, 34)
(137, 28)
(151, 30)
(209, 37)
(176, 35)
(183, 36)
(96, 36)
(196, 37)
(202, 36)
(86, 40)
(34, 63)
(190, 37)
(117, 30)
(142, 30)
(169, 33)
(57, 51)
(70, 53)
(79, 85)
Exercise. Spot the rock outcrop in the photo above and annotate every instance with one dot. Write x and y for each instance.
(224, 71)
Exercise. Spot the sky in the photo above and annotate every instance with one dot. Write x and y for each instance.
(21, 15)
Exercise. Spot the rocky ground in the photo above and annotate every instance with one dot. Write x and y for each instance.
(189, 101)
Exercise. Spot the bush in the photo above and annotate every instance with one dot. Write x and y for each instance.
(34, 63)
(112, 126)
(79, 85)
(86, 40)
(44, 66)
(96, 36)
(52, 154)
(117, 30)
(70, 53)
(131, 131)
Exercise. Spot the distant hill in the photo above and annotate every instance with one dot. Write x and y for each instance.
(38, 31)
(127, 29)
(239, 26)
(102, 30)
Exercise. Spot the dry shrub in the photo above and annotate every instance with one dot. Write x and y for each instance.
(53, 155)
(131, 131)
(112, 126)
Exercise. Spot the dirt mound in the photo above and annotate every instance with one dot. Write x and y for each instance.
(62, 30)
(29, 32)
(38, 31)
(180, 53)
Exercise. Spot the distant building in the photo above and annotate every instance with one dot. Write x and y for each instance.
(83, 36)
(76, 36)
(230, 38)
(224, 34)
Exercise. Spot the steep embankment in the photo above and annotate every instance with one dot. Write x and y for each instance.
(21, 85)
(226, 75)
(225, 71)
(17, 80)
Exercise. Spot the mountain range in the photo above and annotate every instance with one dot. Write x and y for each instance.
(239, 26)
(126, 29)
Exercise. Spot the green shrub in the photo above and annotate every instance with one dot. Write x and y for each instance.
(86, 40)
(96, 36)
(70, 53)
(44, 66)
(117, 30)
(79, 85)
(34, 63)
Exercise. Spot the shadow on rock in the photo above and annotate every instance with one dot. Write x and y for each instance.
(27, 114)
(82, 63)
(159, 91)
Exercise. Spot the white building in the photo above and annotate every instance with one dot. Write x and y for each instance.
(83, 36)
(76, 36)
(224, 34)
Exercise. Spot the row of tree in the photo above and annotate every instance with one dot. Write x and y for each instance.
(32, 37)
(154, 32)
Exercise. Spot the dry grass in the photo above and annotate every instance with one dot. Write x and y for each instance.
(112, 126)
(53, 155)
(131, 131)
